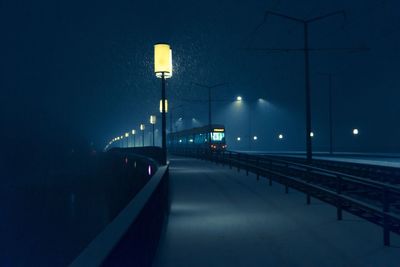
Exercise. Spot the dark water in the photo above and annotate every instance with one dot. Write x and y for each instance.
(48, 219)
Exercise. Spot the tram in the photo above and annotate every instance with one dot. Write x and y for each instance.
(206, 137)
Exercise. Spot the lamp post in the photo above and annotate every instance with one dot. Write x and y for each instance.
(127, 139)
(142, 127)
(134, 137)
(153, 120)
(171, 120)
(163, 70)
(239, 99)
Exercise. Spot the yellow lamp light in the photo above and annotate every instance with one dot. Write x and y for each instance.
(142, 127)
(163, 60)
(153, 119)
(166, 106)
(126, 134)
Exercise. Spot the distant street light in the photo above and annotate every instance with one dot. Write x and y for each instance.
(238, 139)
(134, 137)
(163, 70)
(355, 131)
(240, 100)
(280, 136)
(142, 127)
(153, 119)
(255, 138)
(171, 120)
(311, 134)
(127, 139)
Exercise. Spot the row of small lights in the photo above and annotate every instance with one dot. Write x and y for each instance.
(280, 136)
(142, 127)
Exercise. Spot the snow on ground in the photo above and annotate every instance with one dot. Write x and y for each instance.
(223, 218)
(386, 160)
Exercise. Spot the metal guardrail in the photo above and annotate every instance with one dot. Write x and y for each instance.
(375, 201)
(385, 174)
(102, 248)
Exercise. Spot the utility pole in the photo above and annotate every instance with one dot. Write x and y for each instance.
(209, 87)
(305, 23)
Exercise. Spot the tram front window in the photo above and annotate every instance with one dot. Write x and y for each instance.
(217, 137)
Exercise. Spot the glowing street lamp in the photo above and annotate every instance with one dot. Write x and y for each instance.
(163, 70)
(238, 139)
(239, 98)
(142, 127)
(280, 136)
(255, 138)
(355, 132)
(153, 120)
(312, 134)
(166, 106)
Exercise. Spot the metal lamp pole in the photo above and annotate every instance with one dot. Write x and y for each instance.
(153, 122)
(163, 70)
(163, 120)
(142, 127)
(133, 137)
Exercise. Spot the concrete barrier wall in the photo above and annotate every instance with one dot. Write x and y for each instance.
(132, 237)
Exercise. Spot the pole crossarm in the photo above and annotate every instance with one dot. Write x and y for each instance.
(335, 13)
(349, 49)
(209, 86)
(276, 14)
(306, 22)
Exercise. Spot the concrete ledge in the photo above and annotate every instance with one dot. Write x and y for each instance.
(97, 252)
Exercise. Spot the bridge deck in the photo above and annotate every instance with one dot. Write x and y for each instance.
(223, 218)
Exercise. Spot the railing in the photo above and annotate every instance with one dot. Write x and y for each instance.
(385, 174)
(132, 237)
(375, 201)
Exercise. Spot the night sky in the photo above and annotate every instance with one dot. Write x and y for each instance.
(81, 72)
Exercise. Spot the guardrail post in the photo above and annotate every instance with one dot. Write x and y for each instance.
(270, 175)
(339, 213)
(257, 168)
(308, 201)
(238, 162)
(247, 164)
(386, 226)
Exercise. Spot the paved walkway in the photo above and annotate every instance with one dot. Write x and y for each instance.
(223, 218)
